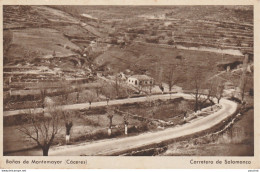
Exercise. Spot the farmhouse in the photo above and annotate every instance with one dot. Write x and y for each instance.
(140, 80)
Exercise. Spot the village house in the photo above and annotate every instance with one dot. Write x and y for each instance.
(140, 80)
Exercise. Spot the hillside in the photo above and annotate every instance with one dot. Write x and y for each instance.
(54, 44)
(43, 30)
(40, 37)
(158, 62)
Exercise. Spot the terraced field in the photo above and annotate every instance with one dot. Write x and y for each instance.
(45, 44)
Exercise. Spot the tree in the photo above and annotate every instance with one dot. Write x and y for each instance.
(128, 91)
(90, 96)
(43, 95)
(170, 42)
(210, 94)
(219, 91)
(43, 127)
(7, 42)
(77, 94)
(170, 79)
(140, 88)
(98, 90)
(149, 99)
(66, 115)
(117, 85)
(197, 83)
(183, 106)
(126, 118)
(155, 106)
(173, 75)
(152, 39)
(109, 92)
(161, 88)
(110, 115)
(243, 89)
(197, 94)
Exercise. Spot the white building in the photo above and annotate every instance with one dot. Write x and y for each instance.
(140, 80)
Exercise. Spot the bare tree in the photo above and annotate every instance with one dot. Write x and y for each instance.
(196, 93)
(126, 119)
(7, 42)
(110, 115)
(243, 89)
(91, 96)
(98, 89)
(183, 106)
(77, 94)
(109, 92)
(210, 94)
(173, 76)
(43, 127)
(117, 85)
(68, 120)
(140, 88)
(43, 95)
(196, 85)
(67, 116)
(219, 91)
(155, 107)
(128, 91)
(149, 99)
(170, 78)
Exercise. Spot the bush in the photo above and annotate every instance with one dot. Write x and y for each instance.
(152, 39)
(143, 127)
(132, 129)
(91, 122)
(251, 92)
(98, 135)
(235, 99)
(170, 42)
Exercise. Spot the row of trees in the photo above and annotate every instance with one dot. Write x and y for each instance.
(200, 87)
(43, 127)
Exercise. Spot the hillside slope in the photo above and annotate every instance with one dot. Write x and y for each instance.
(42, 30)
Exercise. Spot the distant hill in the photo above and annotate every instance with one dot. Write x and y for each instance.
(40, 31)
(220, 13)
(33, 34)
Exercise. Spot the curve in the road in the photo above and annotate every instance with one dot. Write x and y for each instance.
(112, 146)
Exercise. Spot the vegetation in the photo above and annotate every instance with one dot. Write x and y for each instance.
(44, 127)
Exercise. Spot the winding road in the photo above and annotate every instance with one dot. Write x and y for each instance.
(119, 145)
(98, 104)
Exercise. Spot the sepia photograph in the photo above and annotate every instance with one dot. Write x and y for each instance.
(128, 80)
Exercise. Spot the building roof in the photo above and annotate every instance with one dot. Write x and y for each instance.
(141, 77)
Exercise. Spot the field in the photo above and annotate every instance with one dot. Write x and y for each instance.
(136, 56)
(50, 41)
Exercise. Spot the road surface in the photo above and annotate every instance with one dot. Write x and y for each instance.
(97, 104)
(118, 145)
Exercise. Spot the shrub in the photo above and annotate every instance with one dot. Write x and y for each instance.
(152, 39)
(170, 42)
(251, 92)
(235, 99)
